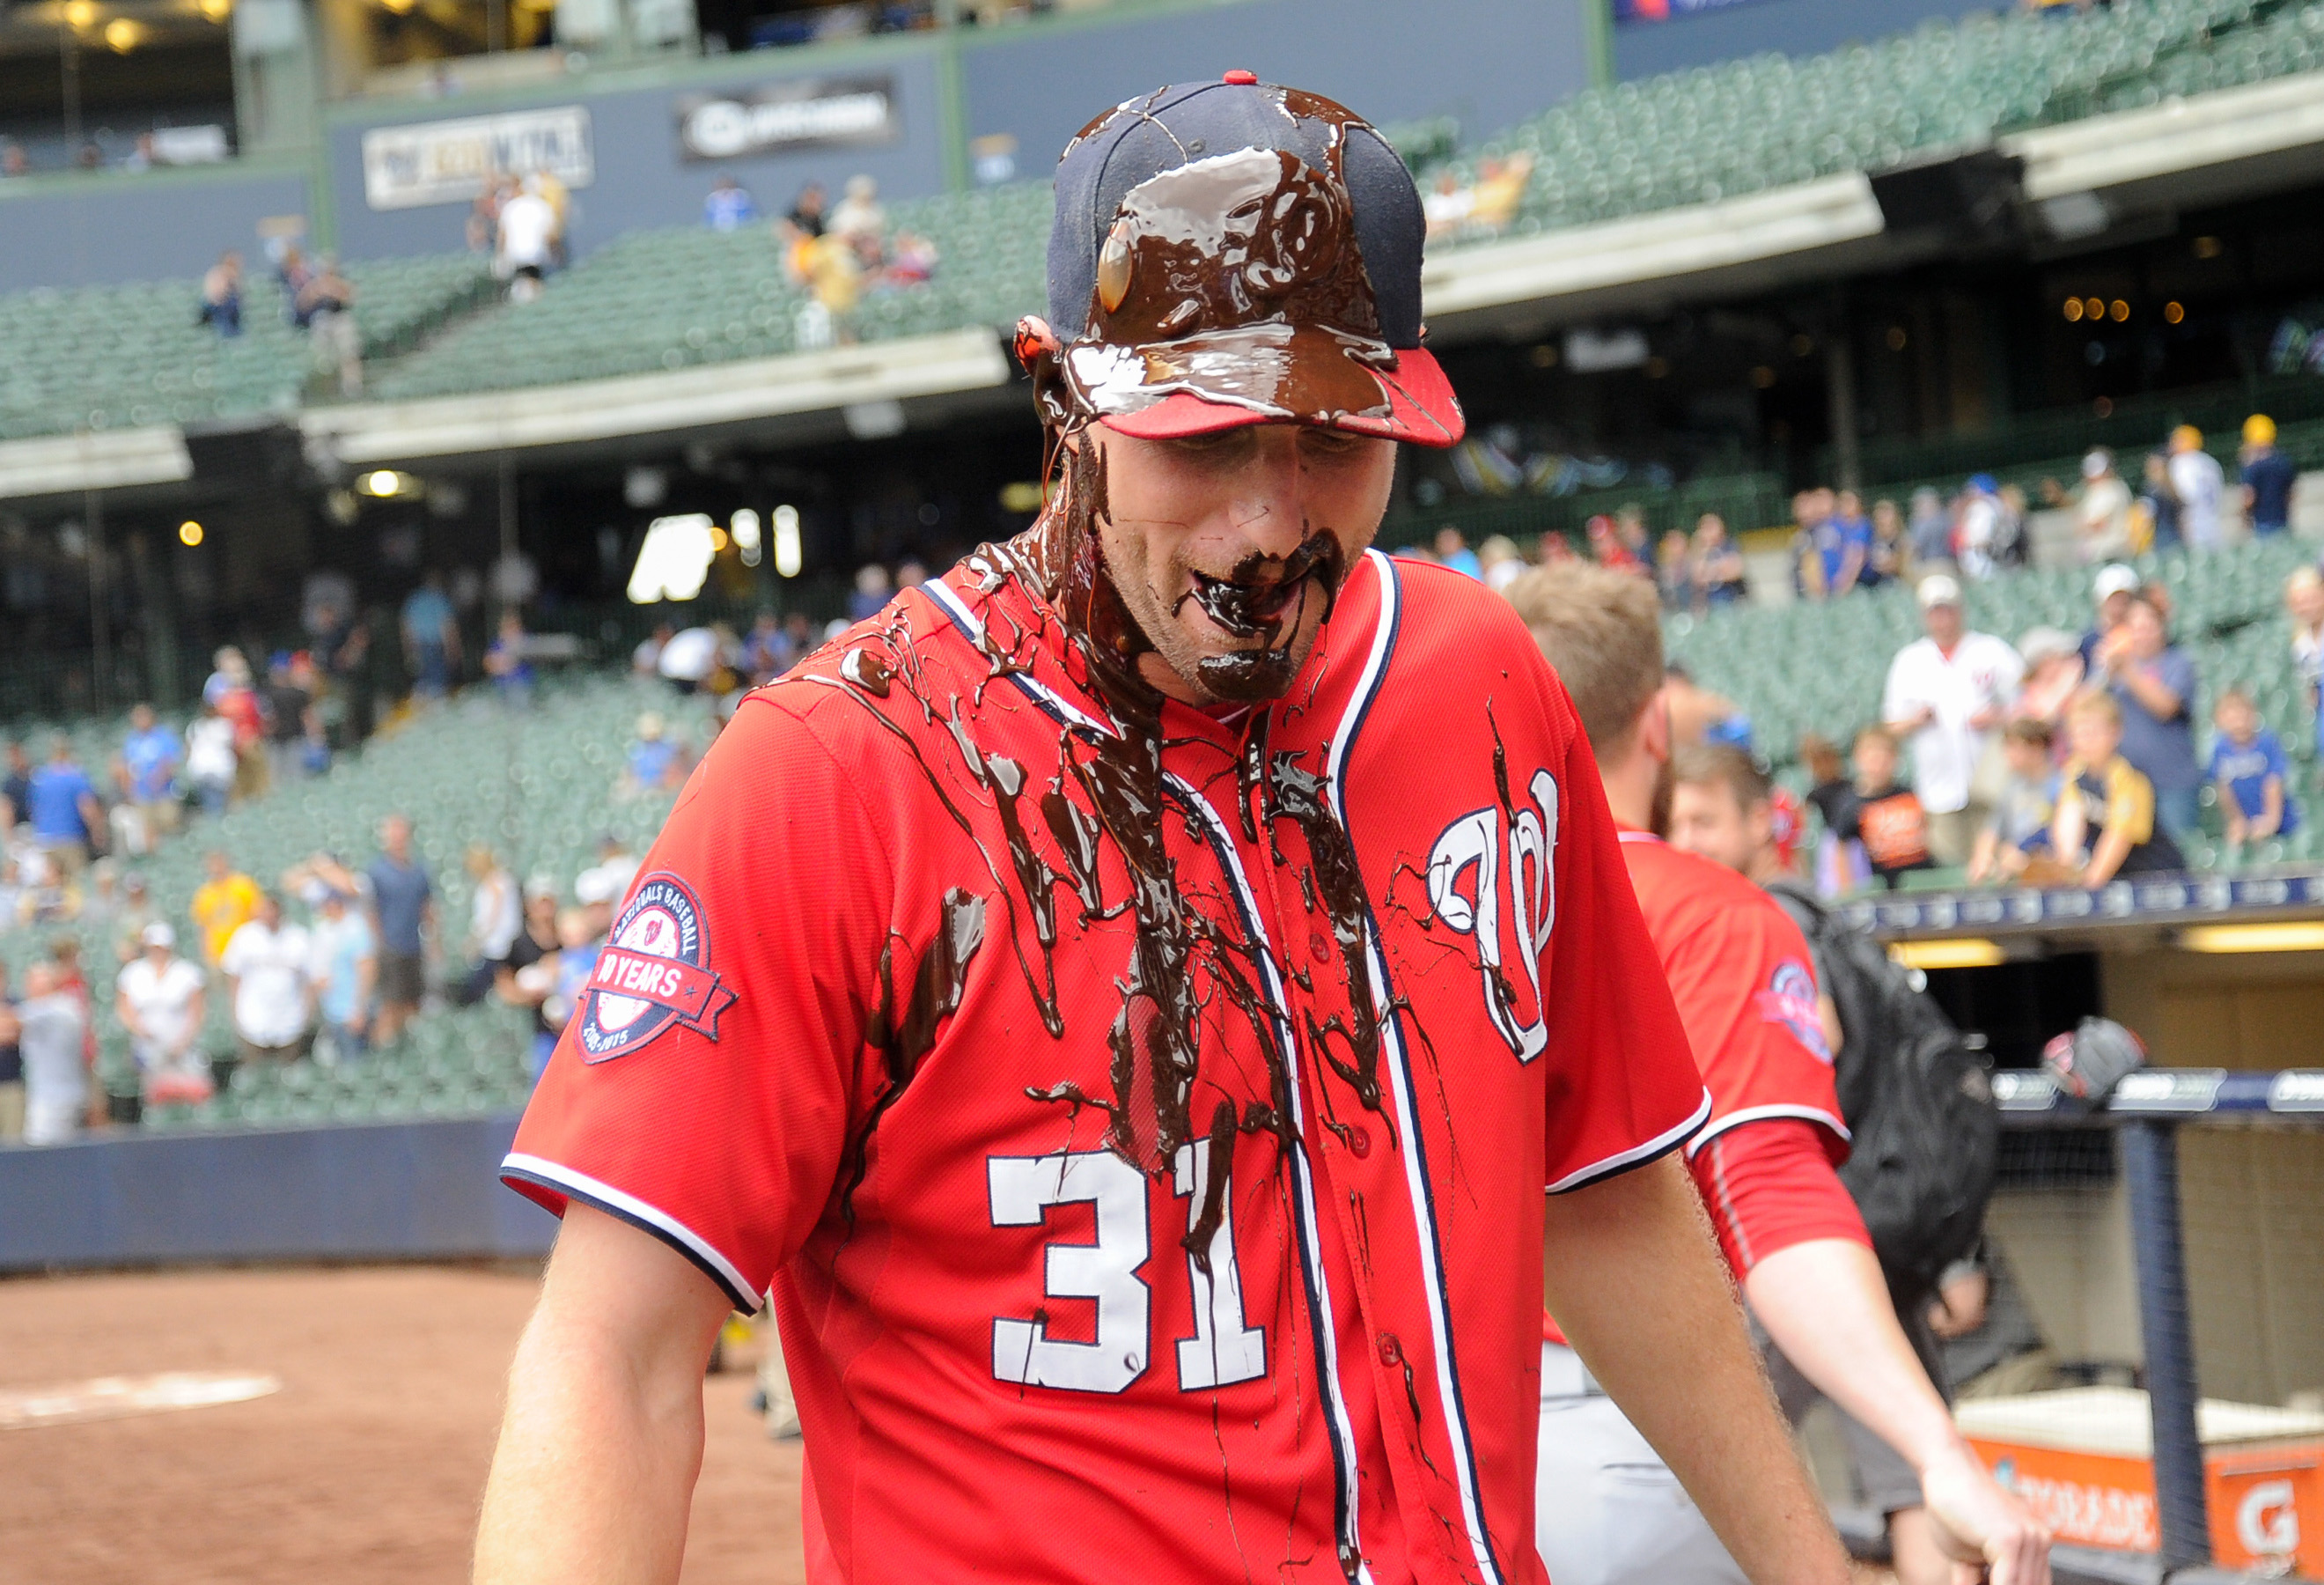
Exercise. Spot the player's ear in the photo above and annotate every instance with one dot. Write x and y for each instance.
(1037, 352)
(1654, 727)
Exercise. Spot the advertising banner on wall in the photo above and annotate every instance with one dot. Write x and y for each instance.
(777, 118)
(1628, 11)
(447, 161)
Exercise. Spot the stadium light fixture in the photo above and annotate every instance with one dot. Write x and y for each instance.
(80, 13)
(2174, 312)
(189, 533)
(2305, 935)
(1959, 952)
(386, 484)
(674, 560)
(2118, 310)
(217, 10)
(123, 35)
(2073, 309)
(788, 558)
(744, 528)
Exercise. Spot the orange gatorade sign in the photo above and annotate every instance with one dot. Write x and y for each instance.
(2083, 1461)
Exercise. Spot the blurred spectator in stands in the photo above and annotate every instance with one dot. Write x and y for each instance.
(1810, 509)
(2153, 681)
(2105, 822)
(327, 302)
(912, 260)
(99, 902)
(496, 919)
(1500, 560)
(616, 866)
(12, 1066)
(210, 759)
(1447, 205)
(1886, 815)
(2154, 511)
(221, 307)
(2268, 477)
(135, 912)
(1890, 557)
(2200, 485)
(2102, 514)
(484, 213)
(15, 785)
(1452, 550)
(13, 161)
(1839, 866)
(1499, 189)
(344, 972)
(766, 649)
(1606, 546)
(145, 775)
(2053, 675)
(2249, 770)
(872, 591)
(834, 276)
(1843, 539)
(51, 1024)
(656, 763)
(528, 231)
(646, 659)
(1977, 527)
(1674, 572)
(729, 206)
(2019, 826)
(1988, 1339)
(291, 273)
(1930, 531)
(431, 637)
(141, 156)
(1947, 693)
(805, 215)
(527, 975)
(91, 156)
(64, 952)
(266, 966)
(223, 903)
(289, 695)
(578, 942)
(1630, 528)
(159, 999)
(507, 661)
(2009, 526)
(858, 212)
(2304, 602)
(2111, 592)
(66, 820)
(403, 913)
(1718, 571)
(690, 659)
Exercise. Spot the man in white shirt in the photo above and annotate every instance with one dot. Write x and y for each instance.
(2201, 484)
(265, 966)
(1946, 695)
(528, 232)
(2102, 515)
(161, 999)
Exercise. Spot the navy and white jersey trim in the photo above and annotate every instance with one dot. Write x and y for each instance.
(519, 1168)
(1760, 1113)
(1637, 1155)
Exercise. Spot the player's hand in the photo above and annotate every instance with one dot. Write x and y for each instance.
(1976, 1522)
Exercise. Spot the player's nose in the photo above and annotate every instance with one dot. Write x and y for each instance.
(1266, 507)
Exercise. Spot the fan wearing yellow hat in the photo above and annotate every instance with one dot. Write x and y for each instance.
(2269, 477)
(2201, 484)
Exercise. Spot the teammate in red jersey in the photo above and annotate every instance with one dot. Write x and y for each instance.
(1128, 998)
(1764, 1164)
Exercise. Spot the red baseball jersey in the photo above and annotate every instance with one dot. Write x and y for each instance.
(1198, 1235)
(1745, 988)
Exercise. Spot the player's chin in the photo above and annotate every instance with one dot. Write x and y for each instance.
(1251, 673)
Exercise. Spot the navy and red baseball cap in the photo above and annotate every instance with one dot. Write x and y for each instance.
(1233, 253)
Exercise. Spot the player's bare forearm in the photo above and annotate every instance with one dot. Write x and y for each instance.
(1826, 1307)
(593, 1474)
(1632, 1275)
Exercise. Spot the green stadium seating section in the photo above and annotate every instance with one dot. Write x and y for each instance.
(1821, 667)
(665, 299)
(536, 784)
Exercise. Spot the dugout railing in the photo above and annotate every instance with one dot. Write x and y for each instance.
(2145, 1117)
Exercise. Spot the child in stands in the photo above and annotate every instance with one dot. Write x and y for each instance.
(2105, 809)
(2019, 827)
(2248, 767)
(1887, 815)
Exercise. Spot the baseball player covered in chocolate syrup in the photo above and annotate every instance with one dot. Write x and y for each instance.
(1127, 1000)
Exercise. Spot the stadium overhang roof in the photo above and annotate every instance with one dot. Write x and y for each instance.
(682, 401)
(101, 459)
(2212, 148)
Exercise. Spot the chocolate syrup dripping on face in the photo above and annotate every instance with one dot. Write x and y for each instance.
(903, 1039)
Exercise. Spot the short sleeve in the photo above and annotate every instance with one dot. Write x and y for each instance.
(237, 955)
(1623, 1087)
(704, 1084)
(2273, 747)
(1745, 989)
(2130, 803)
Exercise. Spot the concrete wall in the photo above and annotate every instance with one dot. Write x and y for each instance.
(1785, 27)
(640, 179)
(113, 226)
(1489, 63)
(355, 1191)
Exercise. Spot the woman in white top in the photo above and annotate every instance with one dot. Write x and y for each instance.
(2304, 599)
(161, 999)
(495, 917)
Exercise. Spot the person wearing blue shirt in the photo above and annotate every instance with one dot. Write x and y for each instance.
(1844, 539)
(730, 206)
(2248, 767)
(147, 772)
(1452, 550)
(431, 637)
(65, 817)
(2268, 477)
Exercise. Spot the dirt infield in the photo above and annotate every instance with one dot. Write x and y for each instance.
(366, 1467)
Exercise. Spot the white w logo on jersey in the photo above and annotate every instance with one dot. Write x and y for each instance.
(1480, 842)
